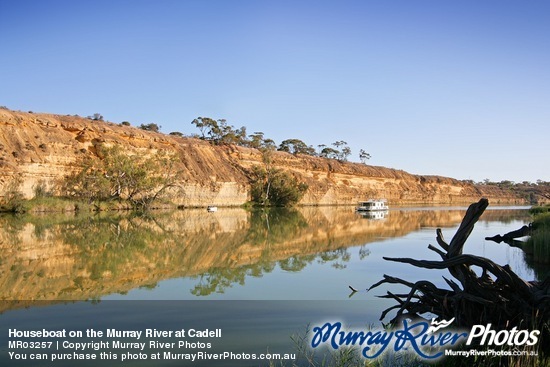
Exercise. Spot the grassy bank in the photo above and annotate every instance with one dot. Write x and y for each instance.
(539, 242)
(57, 204)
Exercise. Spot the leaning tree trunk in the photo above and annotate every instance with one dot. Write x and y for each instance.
(511, 236)
(498, 296)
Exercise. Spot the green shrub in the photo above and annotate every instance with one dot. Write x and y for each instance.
(150, 127)
(41, 190)
(96, 117)
(49, 204)
(13, 200)
(539, 209)
(539, 242)
(137, 179)
(274, 187)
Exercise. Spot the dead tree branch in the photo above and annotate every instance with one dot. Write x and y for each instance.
(498, 296)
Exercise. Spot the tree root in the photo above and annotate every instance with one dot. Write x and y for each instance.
(499, 296)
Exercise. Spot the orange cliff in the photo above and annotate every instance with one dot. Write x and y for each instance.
(44, 148)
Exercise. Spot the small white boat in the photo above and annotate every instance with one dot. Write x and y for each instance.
(212, 208)
(372, 205)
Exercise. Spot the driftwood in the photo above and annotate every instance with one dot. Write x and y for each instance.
(498, 296)
(511, 236)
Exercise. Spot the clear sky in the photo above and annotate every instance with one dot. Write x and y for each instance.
(453, 88)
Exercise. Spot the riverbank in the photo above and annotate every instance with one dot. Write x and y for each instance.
(538, 244)
(43, 149)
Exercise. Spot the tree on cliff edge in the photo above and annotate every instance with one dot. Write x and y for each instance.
(219, 132)
(364, 156)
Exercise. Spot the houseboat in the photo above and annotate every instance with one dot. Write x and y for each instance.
(372, 205)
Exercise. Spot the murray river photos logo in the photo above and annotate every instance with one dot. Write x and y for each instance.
(428, 340)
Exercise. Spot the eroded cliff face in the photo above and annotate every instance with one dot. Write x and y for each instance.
(44, 148)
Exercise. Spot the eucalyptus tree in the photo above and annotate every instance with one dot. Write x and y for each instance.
(364, 156)
(296, 146)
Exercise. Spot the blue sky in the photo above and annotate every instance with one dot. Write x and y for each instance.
(453, 88)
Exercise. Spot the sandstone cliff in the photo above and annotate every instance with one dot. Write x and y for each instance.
(45, 147)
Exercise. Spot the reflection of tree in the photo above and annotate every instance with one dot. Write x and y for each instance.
(12, 226)
(114, 241)
(334, 255)
(541, 270)
(505, 216)
(268, 226)
(274, 225)
(82, 256)
(363, 252)
(295, 263)
(217, 280)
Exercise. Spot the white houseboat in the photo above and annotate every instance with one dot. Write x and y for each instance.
(372, 205)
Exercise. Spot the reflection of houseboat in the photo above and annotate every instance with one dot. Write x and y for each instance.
(374, 215)
(372, 205)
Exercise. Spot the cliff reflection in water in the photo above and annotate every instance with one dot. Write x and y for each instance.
(60, 257)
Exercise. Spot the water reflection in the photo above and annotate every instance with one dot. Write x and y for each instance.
(62, 257)
(377, 215)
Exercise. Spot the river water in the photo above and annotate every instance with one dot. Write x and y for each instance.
(292, 264)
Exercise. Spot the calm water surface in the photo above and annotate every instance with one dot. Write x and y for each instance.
(302, 254)
(275, 271)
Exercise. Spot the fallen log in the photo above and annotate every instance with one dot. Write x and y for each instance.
(510, 236)
(498, 296)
